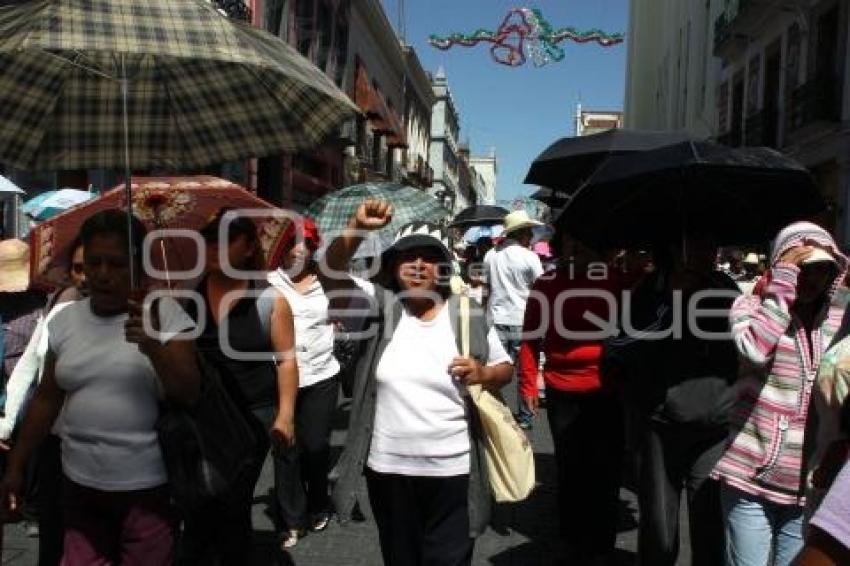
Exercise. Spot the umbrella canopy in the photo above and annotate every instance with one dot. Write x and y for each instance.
(333, 211)
(475, 233)
(735, 196)
(200, 88)
(161, 203)
(479, 215)
(50, 203)
(8, 187)
(551, 197)
(568, 162)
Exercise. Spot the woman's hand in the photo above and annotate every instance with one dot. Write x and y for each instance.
(372, 215)
(10, 493)
(796, 255)
(134, 329)
(283, 432)
(532, 403)
(471, 372)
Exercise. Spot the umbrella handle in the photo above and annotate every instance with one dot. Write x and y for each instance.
(165, 262)
(128, 177)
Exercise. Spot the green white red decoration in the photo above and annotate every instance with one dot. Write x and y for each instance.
(525, 34)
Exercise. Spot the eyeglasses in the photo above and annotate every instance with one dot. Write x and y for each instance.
(77, 268)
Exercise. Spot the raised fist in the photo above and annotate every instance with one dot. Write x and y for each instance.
(373, 215)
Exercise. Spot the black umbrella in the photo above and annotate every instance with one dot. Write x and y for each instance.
(568, 162)
(551, 197)
(479, 215)
(740, 195)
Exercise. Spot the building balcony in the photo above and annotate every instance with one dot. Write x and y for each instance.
(816, 101)
(740, 21)
(762, 128)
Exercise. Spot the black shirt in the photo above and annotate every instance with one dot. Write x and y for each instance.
(252, 383)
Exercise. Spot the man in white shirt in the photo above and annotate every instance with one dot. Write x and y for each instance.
(511, 269)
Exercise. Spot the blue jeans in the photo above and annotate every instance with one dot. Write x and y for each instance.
(755, 526)
(510, 336)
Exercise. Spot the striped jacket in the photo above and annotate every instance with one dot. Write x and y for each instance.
(764, 455)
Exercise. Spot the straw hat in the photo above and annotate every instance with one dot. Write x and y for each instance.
(751, 259)
(14, 266)
(518, 220)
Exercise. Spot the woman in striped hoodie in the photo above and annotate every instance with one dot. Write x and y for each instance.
(781, 332)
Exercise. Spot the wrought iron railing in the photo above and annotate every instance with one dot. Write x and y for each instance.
(761, 128)
(818, 100)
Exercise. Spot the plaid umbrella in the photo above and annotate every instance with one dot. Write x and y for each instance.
(333, 211)
(200, 88)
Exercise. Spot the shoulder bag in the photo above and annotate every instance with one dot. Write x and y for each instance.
(510, 458)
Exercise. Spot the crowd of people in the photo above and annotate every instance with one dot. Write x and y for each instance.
(680, 372)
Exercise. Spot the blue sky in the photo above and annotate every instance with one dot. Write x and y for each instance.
(519, 110)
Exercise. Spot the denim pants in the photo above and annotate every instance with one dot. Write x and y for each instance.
(510, 336)
(756, 526)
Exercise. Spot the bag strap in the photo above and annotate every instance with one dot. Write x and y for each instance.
(265, 305)
(464, 325)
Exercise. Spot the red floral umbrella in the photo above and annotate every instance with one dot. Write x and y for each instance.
(163, 204)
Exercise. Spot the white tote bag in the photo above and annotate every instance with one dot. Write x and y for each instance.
(510, 458)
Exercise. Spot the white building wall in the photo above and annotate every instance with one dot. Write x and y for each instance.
(671, 71)
(485, 166)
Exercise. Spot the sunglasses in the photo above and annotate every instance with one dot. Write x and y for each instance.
(77, 268)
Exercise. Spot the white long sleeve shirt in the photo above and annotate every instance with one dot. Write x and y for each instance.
(27, 372)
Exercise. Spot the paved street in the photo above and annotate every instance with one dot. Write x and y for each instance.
(530, 538)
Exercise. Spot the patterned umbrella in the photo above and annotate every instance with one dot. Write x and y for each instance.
(333, 211)
(200, 88)
(161, 203)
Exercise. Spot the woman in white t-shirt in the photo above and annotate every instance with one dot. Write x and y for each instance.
(412, 432)
(301, 476)
(108, 376)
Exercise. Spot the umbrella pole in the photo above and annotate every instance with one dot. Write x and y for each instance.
(128, 190)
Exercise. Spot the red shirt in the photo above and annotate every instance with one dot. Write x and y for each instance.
(572, 362)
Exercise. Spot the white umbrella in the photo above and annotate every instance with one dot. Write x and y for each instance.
(7, 186)
(51, 203)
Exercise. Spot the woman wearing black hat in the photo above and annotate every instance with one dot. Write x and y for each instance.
(411, 431)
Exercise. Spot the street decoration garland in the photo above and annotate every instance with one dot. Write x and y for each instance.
(525, 34)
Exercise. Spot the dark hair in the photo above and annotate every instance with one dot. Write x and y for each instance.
(71, 249)
(236, 227)
(113, 222)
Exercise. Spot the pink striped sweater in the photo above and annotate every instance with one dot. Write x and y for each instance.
(764, 455)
